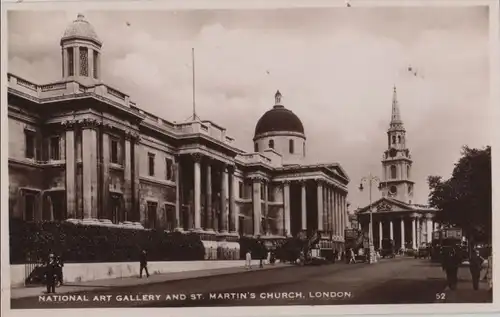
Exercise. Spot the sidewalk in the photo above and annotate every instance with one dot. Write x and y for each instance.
(104, 284)
(464, 293)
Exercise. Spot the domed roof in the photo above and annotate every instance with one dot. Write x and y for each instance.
(279, 119)
(81, 29)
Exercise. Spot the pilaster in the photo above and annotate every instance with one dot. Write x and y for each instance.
(70, 173)
(90, 180)
(286, 206)
(256, 206)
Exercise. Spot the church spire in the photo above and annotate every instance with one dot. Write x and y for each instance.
(396, 116)
(396, 122)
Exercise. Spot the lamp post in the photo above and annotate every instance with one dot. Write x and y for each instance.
(371, 180)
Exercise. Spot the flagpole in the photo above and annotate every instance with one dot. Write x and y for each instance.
(194, 87)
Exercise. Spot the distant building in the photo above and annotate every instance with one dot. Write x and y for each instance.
(395, 215)
(80, 149)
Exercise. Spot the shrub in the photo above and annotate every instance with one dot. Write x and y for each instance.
(86, 244)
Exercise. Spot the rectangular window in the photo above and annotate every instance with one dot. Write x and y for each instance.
(151, 216)
(71, 62)
(84, 61)
(168, 166)
(54, 148)
(29, 207)
(30, 144)
(291, 145)
(270, 195)
(262, 190)
(114, 151)
(96, 64)
(240, 189)
(151, 164)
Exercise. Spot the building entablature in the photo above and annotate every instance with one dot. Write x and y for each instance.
(199, 153)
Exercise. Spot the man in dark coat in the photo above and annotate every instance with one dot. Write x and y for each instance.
(60, 266)
(475, 266)
(143, 263)
(450, 264)
(51, 274)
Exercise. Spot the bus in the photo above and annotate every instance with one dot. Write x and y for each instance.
(445, 238)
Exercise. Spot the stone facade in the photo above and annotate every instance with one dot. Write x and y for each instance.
(79, 149)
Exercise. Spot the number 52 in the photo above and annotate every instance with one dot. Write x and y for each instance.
(440, 296)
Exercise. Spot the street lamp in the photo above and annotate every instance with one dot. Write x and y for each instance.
(371, 181)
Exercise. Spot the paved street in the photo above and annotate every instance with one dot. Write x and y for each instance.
(392, 281)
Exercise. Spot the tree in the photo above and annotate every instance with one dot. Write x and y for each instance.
(465, 200)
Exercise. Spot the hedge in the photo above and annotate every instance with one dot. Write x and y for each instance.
(76, 243)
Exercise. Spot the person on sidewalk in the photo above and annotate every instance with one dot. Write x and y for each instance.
(60, 265)
(51, 274)
(475, 266)
(335, 255)
(144, 263)
(248, 260)
(352, 257)
(451, 261)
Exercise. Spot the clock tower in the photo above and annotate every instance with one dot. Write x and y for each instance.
(396, 161)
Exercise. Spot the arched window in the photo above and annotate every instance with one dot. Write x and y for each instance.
(399, 139)
(393, 171)
(291, 146)
(393, 139)
(271, 144)
(256, 147)
(408, 171)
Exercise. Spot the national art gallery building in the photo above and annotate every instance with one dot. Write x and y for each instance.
(83, 151)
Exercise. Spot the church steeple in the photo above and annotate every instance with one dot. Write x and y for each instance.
(396, 162)
(396, 116)
(396, 122)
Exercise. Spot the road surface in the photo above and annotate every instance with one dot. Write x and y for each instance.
(391, 281)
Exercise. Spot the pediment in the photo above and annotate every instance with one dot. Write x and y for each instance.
(386, 205)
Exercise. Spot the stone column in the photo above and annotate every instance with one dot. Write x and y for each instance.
(197, 192)
(266, 208)
(232, 202)
(429, 229)
(70, 174)
(304, 206)
(256, 206)
(344, 216)
(208, 203)
(403, 246)
(336, 212)
(178, 201)
(286, 206)
(419, 232)
(136, 215)
(391, 228)
(380, 233)
(330, 209)
(89, 155)
(105, 211)
(414, 232)
(325, 207)
(224, 198)
(127, 177)
(320, 204)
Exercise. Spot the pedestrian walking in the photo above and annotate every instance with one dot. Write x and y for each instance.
(248, 260)
(143, 263)
(335, 255)
(60, 265)
(475, 266)
(51, 274)
(352, 257)
(450, 264)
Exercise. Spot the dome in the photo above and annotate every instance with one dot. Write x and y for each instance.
(81, 29)
(279, 119)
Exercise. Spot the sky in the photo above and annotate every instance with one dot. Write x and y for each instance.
(336, 68)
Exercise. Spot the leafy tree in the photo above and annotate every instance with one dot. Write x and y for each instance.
(465, 199)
